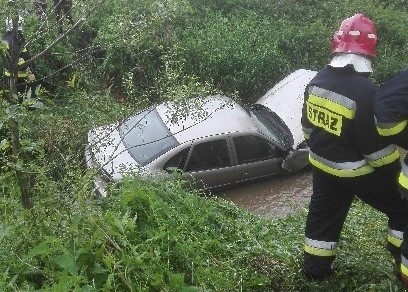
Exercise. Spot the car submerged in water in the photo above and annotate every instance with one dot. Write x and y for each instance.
(212, 142)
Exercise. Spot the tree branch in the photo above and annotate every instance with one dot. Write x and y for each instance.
(60, 38)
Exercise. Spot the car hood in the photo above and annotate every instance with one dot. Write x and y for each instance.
(109, 153)
(286, 100)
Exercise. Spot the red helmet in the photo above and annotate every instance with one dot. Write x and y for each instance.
(356, 35)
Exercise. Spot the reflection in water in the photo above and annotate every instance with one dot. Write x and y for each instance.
(275, 197)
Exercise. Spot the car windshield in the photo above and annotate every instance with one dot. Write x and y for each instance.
(145, 136)
(272, 126)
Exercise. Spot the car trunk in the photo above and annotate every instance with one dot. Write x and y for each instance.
(289, 109)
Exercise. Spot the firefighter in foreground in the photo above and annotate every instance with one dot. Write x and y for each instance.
(26, 73)
(348, 156)
(391, 115)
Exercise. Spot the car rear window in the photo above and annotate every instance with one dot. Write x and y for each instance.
(145, 136)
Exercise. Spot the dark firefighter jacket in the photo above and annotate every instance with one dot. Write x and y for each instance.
(23, 56)
(338, 124)
(391, 116)
(391, 108)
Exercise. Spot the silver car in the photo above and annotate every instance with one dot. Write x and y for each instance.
(212, 142)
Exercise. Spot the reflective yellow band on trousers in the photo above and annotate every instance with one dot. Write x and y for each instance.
(340, 169)
(389, 129)
(320, 248)
(395, 237)
(319, 252)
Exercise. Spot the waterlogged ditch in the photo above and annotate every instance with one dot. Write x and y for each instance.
(273, 198)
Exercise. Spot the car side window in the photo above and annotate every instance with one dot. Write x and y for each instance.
(253, 148)
(209, 155)
(177, 161)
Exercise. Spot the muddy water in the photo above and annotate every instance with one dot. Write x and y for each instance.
(273, 198)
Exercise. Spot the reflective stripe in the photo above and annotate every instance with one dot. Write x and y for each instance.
(395, 237)
(403, 181)
(384, 156)
(335, 102)
(403, 177)
(341, 169)
(21, 61)
(389, 129)
(404, 261)
(19, 74)
(320, 248)
(404, 168)
(404, 266)
(328, 104)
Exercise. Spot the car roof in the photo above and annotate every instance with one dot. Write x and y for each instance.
(203, 117)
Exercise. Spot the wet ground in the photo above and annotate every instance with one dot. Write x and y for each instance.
(273, 198)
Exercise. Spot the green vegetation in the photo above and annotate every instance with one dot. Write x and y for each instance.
(151, 238)
(162, 236)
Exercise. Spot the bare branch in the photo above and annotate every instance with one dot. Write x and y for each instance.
(60, 38)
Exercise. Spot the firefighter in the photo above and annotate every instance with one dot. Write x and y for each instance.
(348, 156)
(25, 74)
(391, 116)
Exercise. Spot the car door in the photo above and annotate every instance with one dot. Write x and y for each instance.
(209, 162)
(256, 157)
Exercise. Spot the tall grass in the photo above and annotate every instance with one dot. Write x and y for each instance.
(162, 237)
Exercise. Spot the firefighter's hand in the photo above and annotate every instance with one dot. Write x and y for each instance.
(31, 77)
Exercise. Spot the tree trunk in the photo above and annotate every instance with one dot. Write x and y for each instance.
(23, 177)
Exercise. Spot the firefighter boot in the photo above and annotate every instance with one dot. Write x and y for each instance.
(317, 268)
(396, 254)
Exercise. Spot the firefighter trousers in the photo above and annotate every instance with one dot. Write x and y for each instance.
(330, 202)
